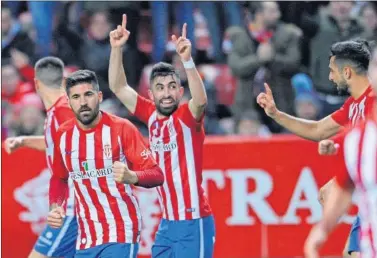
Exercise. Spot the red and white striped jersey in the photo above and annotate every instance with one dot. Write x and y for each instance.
(107, 211)
(176, 143)
(57, 114)
(360, 156)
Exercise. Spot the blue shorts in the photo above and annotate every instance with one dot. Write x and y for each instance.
(58, 242)
(354, 239)
(185, 238)
(110, 250)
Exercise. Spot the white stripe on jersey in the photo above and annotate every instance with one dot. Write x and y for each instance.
(190, 158)
(90, 156)
(176, 171)
(76, 167)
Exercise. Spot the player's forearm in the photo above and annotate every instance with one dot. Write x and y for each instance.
(336, 205)
(34, 142)
(149, 178)
(117, 75)
(304, 128)
(58, 191)
(196, 86)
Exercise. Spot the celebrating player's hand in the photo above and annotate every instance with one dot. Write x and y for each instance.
(314, 241)
(55, 217)
(120, 35)
(13, 143)
(122, 174)
(182, 44)
(327, 147)
(266, 101)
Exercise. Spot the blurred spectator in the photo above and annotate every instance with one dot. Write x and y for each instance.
(13, 88)
(232, 16)
(94, 49)
(368, 16)
(335, 24)
(183, 13)
(267, 50)
(12, 36)
(30, 116)
(251, 125)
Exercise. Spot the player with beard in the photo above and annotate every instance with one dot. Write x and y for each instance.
(348, 71)
(358, 175)
(104, 155)
(176, 138)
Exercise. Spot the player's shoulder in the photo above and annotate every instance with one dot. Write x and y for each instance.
(116, 121)
(66, 126)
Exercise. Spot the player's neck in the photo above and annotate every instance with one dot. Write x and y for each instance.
(92, 124)
(359, 86)
(50, 96)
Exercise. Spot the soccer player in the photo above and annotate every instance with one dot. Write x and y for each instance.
(359, 175)
(176, 137)
(348, 71)
(48, 82)
(104, 155)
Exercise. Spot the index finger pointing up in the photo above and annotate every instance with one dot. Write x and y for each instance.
(124, 21)
(184, 30)
(268, 89)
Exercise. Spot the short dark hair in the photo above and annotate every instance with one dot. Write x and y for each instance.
(81, 76)
(355, 53)
(50, 71)
(162, 69)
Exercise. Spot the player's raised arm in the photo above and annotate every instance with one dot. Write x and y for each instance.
(308, 129)
(199, 97)
(11, 144)
(117, 76)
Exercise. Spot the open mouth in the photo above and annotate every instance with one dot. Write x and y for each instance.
(167, 102)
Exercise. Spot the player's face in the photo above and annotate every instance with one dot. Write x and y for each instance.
(84, 101)
(166, 93)
(336, 76)
(372, 70)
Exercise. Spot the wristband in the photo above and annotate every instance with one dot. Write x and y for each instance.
(189, 64)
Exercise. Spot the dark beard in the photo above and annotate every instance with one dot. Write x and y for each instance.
(166, 112)
(90, 119)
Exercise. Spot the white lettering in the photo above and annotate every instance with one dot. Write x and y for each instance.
(242, 199)
(306, 185)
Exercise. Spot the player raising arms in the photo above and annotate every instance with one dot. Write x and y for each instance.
(48, 82)
(176, 137)
(103, 155)
(359, 175)
(348, 71)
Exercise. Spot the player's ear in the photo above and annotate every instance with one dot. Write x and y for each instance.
(100, 96)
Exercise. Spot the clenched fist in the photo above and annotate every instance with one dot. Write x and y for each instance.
(124, 175)
(56, 217)
(120, 35)
(327, 147)
(13, 143)
(267, 102)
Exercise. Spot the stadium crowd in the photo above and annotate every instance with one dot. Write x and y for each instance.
(238, 47)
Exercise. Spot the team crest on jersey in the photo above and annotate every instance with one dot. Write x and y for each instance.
(107, 150)
(84, 165)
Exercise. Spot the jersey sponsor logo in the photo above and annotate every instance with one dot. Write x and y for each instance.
(145, 154)
(93, 173)
(159, 146)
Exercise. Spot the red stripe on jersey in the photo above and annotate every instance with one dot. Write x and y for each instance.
(127, 199)
(92, 193)
(182, 160)
(68, 148)
(169, 175)
(98, 158)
